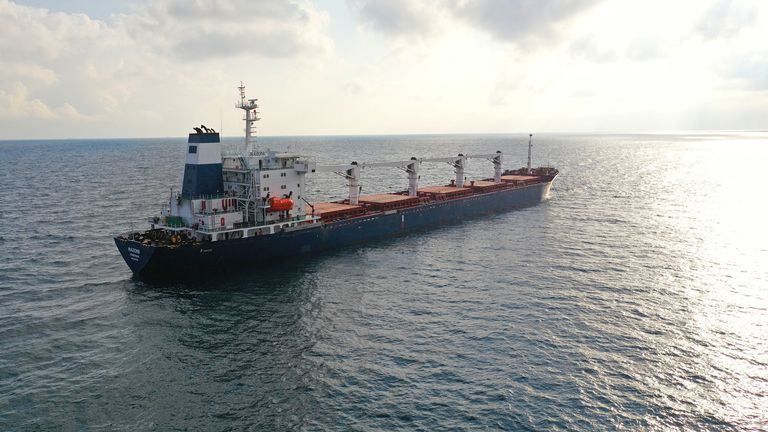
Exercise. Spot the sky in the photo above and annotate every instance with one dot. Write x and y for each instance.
(140, 68)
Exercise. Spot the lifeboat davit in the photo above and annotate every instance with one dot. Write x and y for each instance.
(280, 204)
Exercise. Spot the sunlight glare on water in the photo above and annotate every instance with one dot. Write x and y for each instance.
(726, 229)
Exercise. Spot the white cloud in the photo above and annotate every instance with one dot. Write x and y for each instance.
(16, 103)
(726, 18)
(395, 66)
(68, 68)
(10, 71)
(398, 17)
(521, 22)
(28, 32)
(205, 29)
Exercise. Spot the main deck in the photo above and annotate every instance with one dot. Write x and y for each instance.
(368, 224)
(338, 211)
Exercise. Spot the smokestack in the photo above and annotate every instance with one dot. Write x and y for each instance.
(202, 171)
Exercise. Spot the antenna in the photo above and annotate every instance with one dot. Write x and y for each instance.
(530, 146)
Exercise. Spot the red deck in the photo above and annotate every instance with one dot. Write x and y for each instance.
(485, 185)
(388, 201)
(379, 202)
(444, 191)
(384, 198)
(330, 210)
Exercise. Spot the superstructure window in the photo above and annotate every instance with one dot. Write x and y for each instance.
(192, 149)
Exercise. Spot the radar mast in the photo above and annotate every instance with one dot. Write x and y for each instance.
(251, 117)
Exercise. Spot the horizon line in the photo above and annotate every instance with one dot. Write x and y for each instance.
(659, 132)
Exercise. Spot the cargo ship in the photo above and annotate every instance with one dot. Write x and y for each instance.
(242, 208)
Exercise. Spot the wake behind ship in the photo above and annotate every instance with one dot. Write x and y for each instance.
(240, 209)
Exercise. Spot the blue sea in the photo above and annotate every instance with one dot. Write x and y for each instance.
(635, 298)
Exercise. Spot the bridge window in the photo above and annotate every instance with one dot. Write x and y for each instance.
(192, 149)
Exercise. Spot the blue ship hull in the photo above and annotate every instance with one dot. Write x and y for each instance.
(250, 252)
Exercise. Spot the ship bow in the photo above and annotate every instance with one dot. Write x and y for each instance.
(135, 254)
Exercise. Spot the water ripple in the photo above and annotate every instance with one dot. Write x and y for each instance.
(635, 298)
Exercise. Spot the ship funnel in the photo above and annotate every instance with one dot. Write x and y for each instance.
(202, 171)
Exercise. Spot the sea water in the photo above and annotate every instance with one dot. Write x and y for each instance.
(636, 297)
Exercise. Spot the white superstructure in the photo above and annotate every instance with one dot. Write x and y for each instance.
(249, 191)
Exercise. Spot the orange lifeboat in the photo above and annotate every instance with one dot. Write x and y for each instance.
(280, 204)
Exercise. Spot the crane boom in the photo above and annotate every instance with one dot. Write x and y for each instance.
(334, 168)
